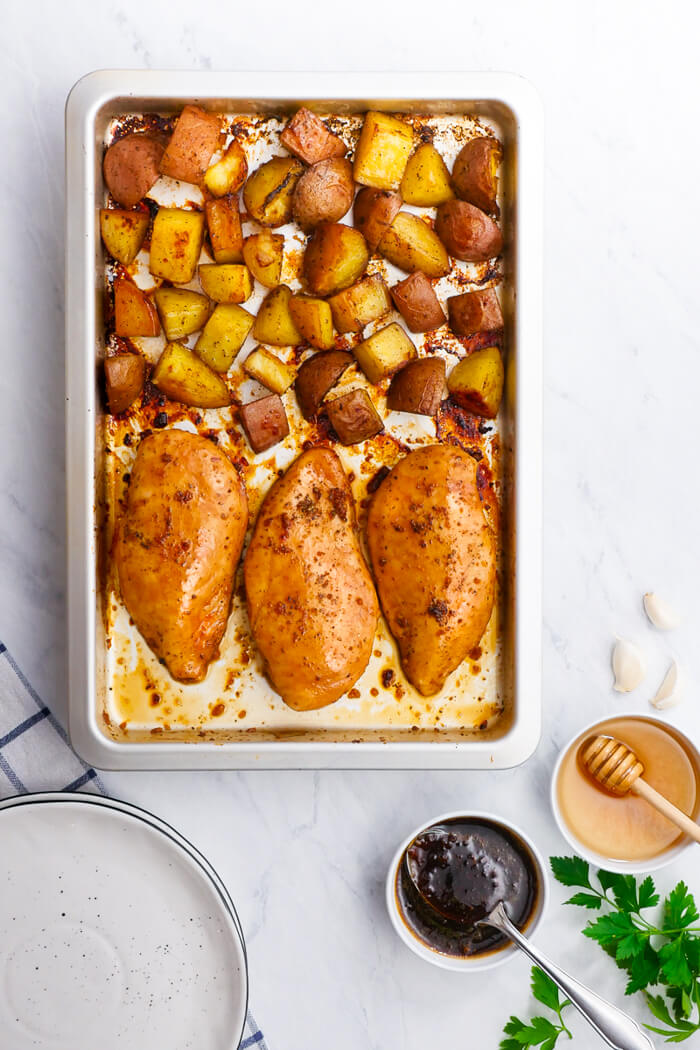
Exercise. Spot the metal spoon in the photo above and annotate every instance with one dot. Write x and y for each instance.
(615, 1027)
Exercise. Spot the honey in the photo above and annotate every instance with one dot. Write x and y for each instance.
(628, 828)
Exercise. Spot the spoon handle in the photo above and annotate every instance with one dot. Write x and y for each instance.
(671, 812)
(615, 1027)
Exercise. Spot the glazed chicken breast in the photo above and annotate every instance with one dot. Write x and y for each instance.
(434, 560)
(177, 548)
(311, 601)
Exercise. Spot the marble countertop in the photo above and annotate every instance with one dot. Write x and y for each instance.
(305, 853)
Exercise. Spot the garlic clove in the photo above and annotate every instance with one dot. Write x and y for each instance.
(660, 612)
(671, 690)
(628, 666)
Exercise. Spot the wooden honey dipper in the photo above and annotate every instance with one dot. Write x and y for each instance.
(617, 769)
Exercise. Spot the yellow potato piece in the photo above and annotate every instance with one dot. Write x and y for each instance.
(274, 323)
(223, 336)
(269, 370)
(228, 174)
(426, 180)
(263, 254)
(183, 377)
(476, 383)
(181, 311)
(383, 150)
(384, 353)
(269, 190)
(123, 232)
(314, 320)
(176, 243)
(412, 245)
(366, 300)
(226, 283)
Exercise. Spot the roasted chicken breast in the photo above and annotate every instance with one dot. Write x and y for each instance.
(177, 548)
(434, 560)
(311, 601)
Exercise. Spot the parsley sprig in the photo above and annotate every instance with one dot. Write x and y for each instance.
(540, 1031)
(664, 956)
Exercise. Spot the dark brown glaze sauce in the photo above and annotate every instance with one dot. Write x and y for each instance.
(464, 867)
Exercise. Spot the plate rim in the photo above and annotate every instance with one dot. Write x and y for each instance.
(157, 824)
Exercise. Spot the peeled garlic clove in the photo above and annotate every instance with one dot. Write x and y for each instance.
(660, 612)
(628, 666)
(670, 692)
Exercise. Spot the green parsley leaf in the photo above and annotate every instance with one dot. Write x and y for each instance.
(648, 897)
(570, 871)
(585, 900)
(545, 990)
(679, 910)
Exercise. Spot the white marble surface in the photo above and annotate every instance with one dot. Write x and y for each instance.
(305, 853)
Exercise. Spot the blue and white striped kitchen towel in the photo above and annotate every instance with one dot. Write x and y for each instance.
(35, 755)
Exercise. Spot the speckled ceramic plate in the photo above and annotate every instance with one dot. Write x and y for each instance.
(114, 932)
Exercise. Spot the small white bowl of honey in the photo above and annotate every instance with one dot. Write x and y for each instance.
(624, 833)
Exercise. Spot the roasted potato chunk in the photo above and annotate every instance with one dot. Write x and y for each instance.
(181, 311)
(268, 370)
(335, 257)
(123, 232)
(308, 138)
(228, 174)
(374, 212)
(223, 336)
(382, 151)
(317, 375)
(474, 312)
(467, 232)
(474, 173)
(269, 191)
(476, 383)
(361, 303)
(426, 180)
(226, 283)
(225, 234)
(384, 352)
(263, 254)
(265, 422)
(416, 301)
(412, 245)
(274, 323)
(134, 313)
(196, 136)
(324, 193)
(132, 165)
(354, 417)
(124, 378)
(185, 378)
(313, 319)
(418, 387)
(176, 243)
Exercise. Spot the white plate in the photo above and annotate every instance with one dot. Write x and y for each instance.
(114, 932)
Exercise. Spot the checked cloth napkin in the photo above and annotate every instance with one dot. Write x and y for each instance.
(35, 755)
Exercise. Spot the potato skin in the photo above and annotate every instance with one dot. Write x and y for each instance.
(134, 313)
(196, 136)
(354, 417)
(324, 193)
(474, 173)
(416, 301)
(265, 422)
(308, 138)
(317, 375)
(467, 232)
(476, 382)
(335, 257)
(418, 387)
(412, 245)
(474, 312)
(374, 212)
(131, 165)
(124, 378)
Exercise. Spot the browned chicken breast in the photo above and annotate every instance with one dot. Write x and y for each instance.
(434, 560)
(177, 548)
(311, 601)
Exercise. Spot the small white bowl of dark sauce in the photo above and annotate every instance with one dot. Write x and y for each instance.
(471, 862)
